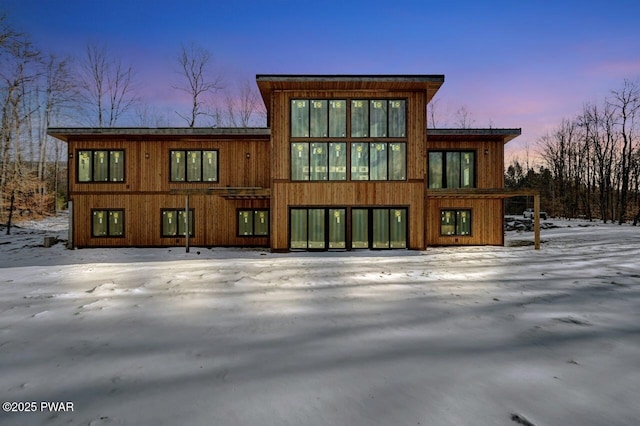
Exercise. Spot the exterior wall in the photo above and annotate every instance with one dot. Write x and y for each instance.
(285, 193)
(486, 221)
(146, 190)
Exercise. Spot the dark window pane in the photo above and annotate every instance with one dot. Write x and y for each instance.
(210, 166)
(397, 119)
(194, 166)
(261, 222)
(85, 166)
(435, 170)
(299, 161)
(398, 229)
(337, 161)
(378, 161)
(359, 161)
(397, 161)
(245, 222)
(116, 166)
(378, 125)
(101, 166)
(319, 117)
(447, 222)
(359, 119)
(337, 228)
(467, 172)
(453, 169)
(182, 223)
(116, 223)
(316, 229)
(100, 223)
(463, 222)
(319, 161)
(299, 118)
(298, 228)
(338, 118)
(177, 166)
(359, 228)
(380, 228)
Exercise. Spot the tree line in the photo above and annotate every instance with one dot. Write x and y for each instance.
(95, 88)
(591, 162)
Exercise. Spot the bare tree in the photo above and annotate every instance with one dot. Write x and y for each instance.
(244, 106)
(463, 119)
(432, 113)
(106, 87)
(200, 81)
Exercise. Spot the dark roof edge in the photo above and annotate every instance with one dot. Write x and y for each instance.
(506, 133)
(351, 77)
(159, 131)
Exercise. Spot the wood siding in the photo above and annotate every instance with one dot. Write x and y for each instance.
(487, 223)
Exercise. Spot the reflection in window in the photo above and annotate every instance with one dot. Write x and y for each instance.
(174, 223)
(337, 118)
(397, 161)
(337, 161)
(359, 228)
(451, 169)
(397, 118)
(299, 118)
(378, 117)
(298, 223)
(455, 222)
(359, 119)
(319, 119)
(378, 161)
(359, 161)
(253, 222)
(194, 166)
(318, 167)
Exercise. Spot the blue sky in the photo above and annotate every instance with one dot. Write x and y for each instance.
(511, 64)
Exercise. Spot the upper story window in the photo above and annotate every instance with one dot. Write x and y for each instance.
(327, 118)
(101, 166)
(451, 169)
(194, 166)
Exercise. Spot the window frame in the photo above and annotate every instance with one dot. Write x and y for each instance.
(107, 213)
(253, 212)
(192, 224)
(455, 213)
(109, 152)
(444, 172)
(185, 171)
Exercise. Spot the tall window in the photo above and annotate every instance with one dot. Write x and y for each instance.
(318, 161)
(253, 222)
(452, 169)
(174, 222)
(107, 223)
(455, 222)
(194, 166)
(101, 166)
(378, 161)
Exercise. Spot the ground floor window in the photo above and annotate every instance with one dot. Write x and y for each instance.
(174, 222)
(253, 222)
(455, 222)
(107, 223)
(348, 228)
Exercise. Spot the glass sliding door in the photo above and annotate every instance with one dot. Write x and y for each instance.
(380, 228)
(359, 228)
(316, 229)
(298, 228)
(337, 229)
(398, 228)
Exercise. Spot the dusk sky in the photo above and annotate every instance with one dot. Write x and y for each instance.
(510, 63)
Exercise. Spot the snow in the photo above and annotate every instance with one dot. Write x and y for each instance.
(448, 336)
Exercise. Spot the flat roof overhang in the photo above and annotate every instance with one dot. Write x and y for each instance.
(464, 135)
(161, 133)
(430, 83)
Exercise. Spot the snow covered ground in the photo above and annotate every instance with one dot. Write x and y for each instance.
(449, 336)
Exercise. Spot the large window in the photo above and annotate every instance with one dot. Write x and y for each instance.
(455, 222)
(327, 228)
(101, 166)
(194, 166)
(253, 223)
(107, 223)
(318, 161)
(452, 169)
(367, 160)
(174, 222)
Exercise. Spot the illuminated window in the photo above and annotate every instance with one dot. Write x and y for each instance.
(318, 161)
(378, 161)
(101, 166)
(455, 222)
(194, 166)
(107, 223)
(253, 222)
(174, 222)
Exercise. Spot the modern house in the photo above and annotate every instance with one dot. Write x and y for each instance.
(346, 162)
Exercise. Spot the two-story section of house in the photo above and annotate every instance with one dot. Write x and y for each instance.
(345, 163)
